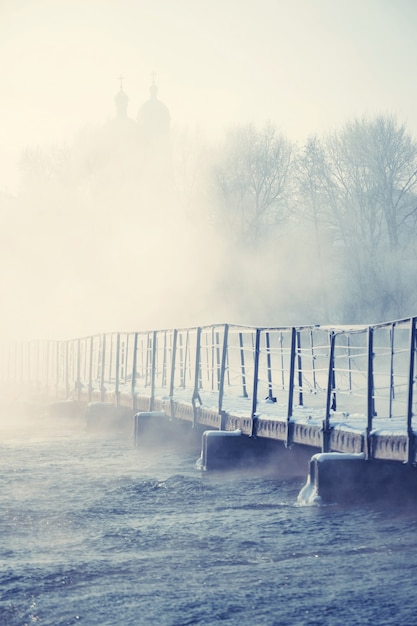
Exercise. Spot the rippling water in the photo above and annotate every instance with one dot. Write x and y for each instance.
(96, 532)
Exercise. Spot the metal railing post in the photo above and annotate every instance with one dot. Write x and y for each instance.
(117, 377)
(218, 360)
(196, 394)
(153, 371)
(410, 433)
(103, 364)
(90, 370)
(255, 381)
(291, 376)
(133, 373)
(187, 339)
(223, 371)
(391, 370)
(148, 351)
(110, 359)
(182, 367)
(164, 362)
(269, 366)
(79, 370)
(313, 360)
(125, 357)
(300, 370)
(325, 446)
(349, 353)
(48, 366)
(242, 366)
(370, 394)
(172, 378)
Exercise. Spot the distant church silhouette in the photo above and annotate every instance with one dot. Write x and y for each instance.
(153, 120)
(146, 140)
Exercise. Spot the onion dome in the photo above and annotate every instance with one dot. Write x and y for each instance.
(153, 116)
(121, 100)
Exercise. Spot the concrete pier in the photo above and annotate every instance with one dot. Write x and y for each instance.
(65, 408)
(155, 428)
(232, 450)
(347, 478)
(222, 449)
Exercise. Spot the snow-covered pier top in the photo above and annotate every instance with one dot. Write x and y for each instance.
(335, 389)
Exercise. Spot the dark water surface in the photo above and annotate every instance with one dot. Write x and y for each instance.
(96, 532)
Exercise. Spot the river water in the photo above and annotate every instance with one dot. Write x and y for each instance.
(96, 532)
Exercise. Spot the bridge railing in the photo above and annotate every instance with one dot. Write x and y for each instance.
(362, 375)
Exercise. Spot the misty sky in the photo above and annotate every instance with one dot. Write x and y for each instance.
(307, 65)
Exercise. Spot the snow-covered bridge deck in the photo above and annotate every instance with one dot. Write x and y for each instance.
(333, 388)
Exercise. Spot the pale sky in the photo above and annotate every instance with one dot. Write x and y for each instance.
(306, 65)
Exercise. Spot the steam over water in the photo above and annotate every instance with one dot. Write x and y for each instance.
(96, 532)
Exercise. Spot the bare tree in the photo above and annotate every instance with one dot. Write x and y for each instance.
(373, 166)
(252, 181)
(370, 183)
(313, 191)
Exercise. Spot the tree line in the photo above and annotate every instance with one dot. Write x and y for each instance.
(343, 208)
(323, 232)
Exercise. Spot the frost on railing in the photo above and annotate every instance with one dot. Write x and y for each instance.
(318, 372)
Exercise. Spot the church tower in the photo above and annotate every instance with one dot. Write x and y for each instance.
(153, 118)
(154, 121)
(121, 100)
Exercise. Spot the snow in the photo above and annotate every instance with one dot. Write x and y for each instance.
(241, 407)
(224, 433)
(321, 457)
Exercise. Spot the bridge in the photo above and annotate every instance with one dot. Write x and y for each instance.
(340, 393)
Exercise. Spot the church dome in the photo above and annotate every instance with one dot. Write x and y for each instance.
(121, 100)
(153, 116)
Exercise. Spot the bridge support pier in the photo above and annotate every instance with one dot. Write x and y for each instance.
(337, 477)
(230, 449)
(155, 428)
(221, 449)
(148, 423)
(65, 408)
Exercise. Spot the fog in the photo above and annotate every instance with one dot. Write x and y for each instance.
(110, 215)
